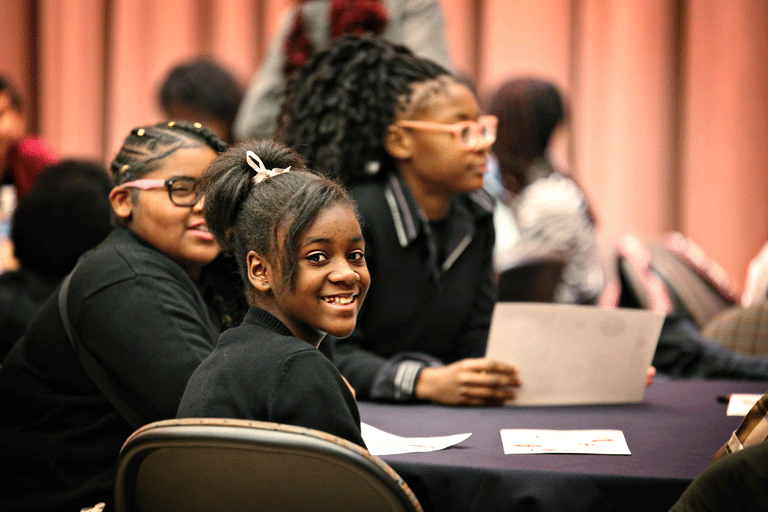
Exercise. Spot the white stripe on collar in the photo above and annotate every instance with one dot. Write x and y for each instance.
(398, 221)
(402, 216)
(481, 197)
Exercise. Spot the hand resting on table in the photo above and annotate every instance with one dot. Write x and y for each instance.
(477, 381)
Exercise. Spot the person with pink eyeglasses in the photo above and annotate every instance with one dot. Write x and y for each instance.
(113, 348)
(411, 142)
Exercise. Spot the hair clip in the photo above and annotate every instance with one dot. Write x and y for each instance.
(197, 125)
(124, 168)
(140, 132)
(262, 172)
(372, 167)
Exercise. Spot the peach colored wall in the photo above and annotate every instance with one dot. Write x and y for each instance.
(525, 37)
(668, 97)
(724, 195)
(624, 114)
(147, 38)
(72, 81)
(16, 38)
(461, 21)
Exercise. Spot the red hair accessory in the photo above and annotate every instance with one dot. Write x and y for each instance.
(347, 17)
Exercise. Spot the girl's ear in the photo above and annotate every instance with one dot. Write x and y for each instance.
(398, 142)
(121, 202)
(259, 272)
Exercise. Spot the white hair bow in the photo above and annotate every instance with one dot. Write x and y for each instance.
(262, 172)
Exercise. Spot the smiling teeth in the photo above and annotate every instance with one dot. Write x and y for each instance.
(339, 300)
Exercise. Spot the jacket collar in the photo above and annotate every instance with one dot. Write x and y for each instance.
(410, 220)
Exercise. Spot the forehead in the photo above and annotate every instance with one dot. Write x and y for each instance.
(443, 99)
(337, 223)
(184, 162)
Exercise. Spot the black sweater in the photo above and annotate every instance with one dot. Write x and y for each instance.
(260, 371)
(141, 315)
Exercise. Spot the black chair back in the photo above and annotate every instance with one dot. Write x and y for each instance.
(531, 280)
(228, 465)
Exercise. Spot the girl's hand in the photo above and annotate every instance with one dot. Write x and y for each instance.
(469, 382)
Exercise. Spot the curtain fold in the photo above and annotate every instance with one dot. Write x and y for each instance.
(668, 97)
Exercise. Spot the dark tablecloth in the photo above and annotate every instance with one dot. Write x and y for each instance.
(672, 435)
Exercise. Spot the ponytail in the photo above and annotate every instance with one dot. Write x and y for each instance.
(247, 206)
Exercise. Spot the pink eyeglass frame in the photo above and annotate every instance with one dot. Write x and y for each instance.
(149, 184)
(144, 184)
(475, 128)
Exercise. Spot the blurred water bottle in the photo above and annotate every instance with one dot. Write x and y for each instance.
(7, 207)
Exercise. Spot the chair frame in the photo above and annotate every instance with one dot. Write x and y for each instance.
(531, 279)
(200, 436)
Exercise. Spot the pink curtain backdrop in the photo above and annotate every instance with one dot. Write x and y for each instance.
(669, 129)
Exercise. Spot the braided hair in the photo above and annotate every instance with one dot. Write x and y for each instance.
(145, 148)
(338, 106)
(245, 215)
(143, 151)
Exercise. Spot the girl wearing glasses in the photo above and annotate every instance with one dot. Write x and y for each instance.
(133, 305)
(410, 140)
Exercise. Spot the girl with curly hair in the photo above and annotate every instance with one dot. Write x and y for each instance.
(411, 142)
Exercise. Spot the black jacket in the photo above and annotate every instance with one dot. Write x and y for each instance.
(432, 289)
(141, 315)
(22, 293)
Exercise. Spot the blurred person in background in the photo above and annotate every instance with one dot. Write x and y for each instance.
(114, 351)
(310, 26)
(540, 209)
(202, 90)
(66, 212)
(22, 155)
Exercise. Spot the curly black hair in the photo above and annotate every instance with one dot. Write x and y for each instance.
(338, 106)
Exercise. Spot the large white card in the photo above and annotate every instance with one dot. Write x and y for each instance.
(571, 354)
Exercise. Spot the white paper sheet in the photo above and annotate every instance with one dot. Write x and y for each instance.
(383, 443)
(602, 442)
(740, 403)
(575, 354)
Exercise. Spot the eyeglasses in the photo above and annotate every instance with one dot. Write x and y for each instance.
(182, 190)
(470, 134)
